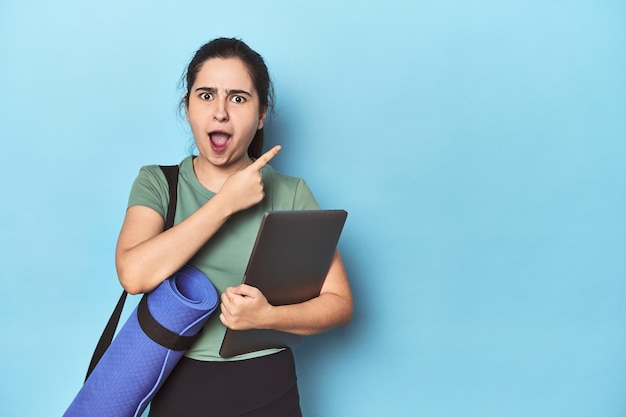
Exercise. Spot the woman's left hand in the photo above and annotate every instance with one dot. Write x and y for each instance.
(244, 307)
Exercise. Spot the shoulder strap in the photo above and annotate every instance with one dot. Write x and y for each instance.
(171, 174)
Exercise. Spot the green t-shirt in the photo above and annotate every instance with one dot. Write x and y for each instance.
(223, 259)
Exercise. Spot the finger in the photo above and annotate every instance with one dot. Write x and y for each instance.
(265, 158)
(245, 290)
(228, 309)
(226, 298)
(233, 293)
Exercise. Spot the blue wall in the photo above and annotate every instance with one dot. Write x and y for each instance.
(479, 147)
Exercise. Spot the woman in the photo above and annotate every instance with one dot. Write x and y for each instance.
(222, 195)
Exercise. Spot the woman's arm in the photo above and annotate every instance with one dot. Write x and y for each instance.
(244, 307)
(146, 255)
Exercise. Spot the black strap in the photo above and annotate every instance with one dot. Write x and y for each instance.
(107, 334)
(159, 333)
(171, 174)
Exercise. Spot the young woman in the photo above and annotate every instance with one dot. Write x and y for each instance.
(222, 195)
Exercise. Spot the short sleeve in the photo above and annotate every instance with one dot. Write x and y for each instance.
(150, 190)
(287, 192)
(304, 199)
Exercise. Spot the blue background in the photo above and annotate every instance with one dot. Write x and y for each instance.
(479, 147)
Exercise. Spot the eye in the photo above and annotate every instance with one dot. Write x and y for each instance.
(205, 96)
(238, 99)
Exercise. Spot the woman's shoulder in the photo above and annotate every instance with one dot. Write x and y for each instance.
(150, 186)
(282, 181)
(155, 173)
(289, 192)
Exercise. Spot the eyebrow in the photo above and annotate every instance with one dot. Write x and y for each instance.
(213, 90)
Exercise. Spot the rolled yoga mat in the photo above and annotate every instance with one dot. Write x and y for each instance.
(134, 366)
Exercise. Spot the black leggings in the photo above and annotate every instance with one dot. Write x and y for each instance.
(259, 387)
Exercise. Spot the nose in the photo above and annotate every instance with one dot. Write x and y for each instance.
(220, 111)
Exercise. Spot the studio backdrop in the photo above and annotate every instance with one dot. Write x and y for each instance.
(478, 147)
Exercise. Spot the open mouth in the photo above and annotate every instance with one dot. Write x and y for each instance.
(219, 140)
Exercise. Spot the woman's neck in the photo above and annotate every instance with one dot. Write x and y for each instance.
(213, 177)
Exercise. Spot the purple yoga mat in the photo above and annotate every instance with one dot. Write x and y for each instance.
(134, 366)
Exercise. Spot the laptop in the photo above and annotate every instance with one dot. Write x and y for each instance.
(289, 262)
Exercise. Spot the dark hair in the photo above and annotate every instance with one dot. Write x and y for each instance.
(236, 48)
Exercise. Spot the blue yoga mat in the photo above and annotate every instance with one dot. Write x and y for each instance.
(134, 366)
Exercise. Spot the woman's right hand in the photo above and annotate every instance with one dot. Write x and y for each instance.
(245, 188)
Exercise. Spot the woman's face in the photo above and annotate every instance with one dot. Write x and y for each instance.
(223, 112)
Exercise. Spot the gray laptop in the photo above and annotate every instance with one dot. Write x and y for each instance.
(289, 262)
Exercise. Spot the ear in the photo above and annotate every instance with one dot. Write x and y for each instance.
(186, 103)
(261, 119)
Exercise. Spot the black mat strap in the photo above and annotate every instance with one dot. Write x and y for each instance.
(157, 332)
(107, 334)
(171, 175)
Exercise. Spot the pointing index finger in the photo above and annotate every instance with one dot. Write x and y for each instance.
(265, 158)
